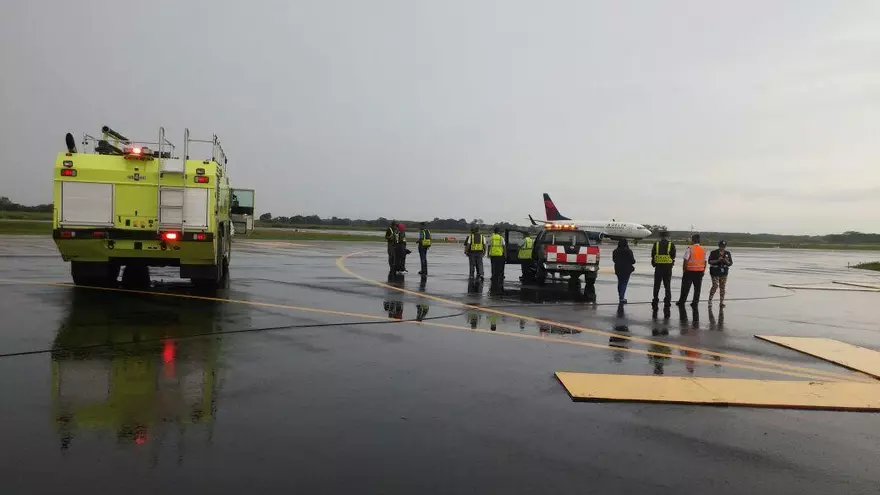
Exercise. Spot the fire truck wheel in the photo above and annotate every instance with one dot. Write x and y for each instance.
(94, 274)
(224, 272)
(136, 276)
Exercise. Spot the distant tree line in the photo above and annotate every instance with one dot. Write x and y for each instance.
(710, 238)
(452, 224)
(8, 205)
(267, 219)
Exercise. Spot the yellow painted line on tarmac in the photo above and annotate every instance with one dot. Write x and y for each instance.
(201, 298)
(555, 340)
(837, 396)
(277, 244)
(340, 262)
(824, 287)
(850, 356)
(863, 285)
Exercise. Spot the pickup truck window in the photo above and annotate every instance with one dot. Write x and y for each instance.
(572, 238)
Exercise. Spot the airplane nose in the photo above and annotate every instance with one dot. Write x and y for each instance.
(647, 230)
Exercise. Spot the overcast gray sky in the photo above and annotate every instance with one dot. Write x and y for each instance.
(736, 116)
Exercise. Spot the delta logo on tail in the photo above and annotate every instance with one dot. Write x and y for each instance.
(611, 229)
(551, 211)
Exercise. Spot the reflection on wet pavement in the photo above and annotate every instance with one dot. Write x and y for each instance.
(163, 390)
(135, 370)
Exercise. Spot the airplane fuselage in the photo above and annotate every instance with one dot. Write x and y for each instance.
(613, 229)
(610, 229)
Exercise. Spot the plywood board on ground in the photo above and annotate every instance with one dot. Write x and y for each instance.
(841, 396)
(847, 355)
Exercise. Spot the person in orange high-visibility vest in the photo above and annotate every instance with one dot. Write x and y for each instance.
(694, 267)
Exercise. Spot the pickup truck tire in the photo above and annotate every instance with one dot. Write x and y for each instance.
(540, 275)
(590, 289)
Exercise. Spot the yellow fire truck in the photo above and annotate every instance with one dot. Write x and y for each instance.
(139, 204)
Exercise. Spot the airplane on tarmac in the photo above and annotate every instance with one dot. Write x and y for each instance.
(611, 229)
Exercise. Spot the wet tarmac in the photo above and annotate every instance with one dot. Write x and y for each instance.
(301, 377)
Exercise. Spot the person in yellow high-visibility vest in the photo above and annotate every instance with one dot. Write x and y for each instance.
(662, 259)
(525, 253)
(424, 244)
(475, 249)
(497, 252)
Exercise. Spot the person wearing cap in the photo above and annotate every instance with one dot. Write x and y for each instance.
(662, 259)
(693, 271)
(475, 249)
(719, 264)
(424, 244)
(391, 240)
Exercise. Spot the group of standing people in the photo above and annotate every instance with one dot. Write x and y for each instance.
(694, 267)
(476, 246)
(395, 237)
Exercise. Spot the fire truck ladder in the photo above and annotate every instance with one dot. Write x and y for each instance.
(172, 198)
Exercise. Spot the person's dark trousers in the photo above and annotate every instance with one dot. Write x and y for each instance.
(423, 256)
(476, 263)
(391, 255)
(688, 279)
(497, 268)
(663, 274)
(622, 281)
(698, 285)
(400, 257)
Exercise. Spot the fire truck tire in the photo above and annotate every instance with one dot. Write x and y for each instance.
(136, 276)
(224, 272)
(94, 274)
(215, 279)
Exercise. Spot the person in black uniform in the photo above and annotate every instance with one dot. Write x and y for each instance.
(400, 250)
(662, 259)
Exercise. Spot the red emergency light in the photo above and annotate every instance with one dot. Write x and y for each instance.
(170, 236)
(68, 172)
(201, 179)
(137, 153)
(201, 236)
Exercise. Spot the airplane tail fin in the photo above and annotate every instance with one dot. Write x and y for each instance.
(551, 211)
